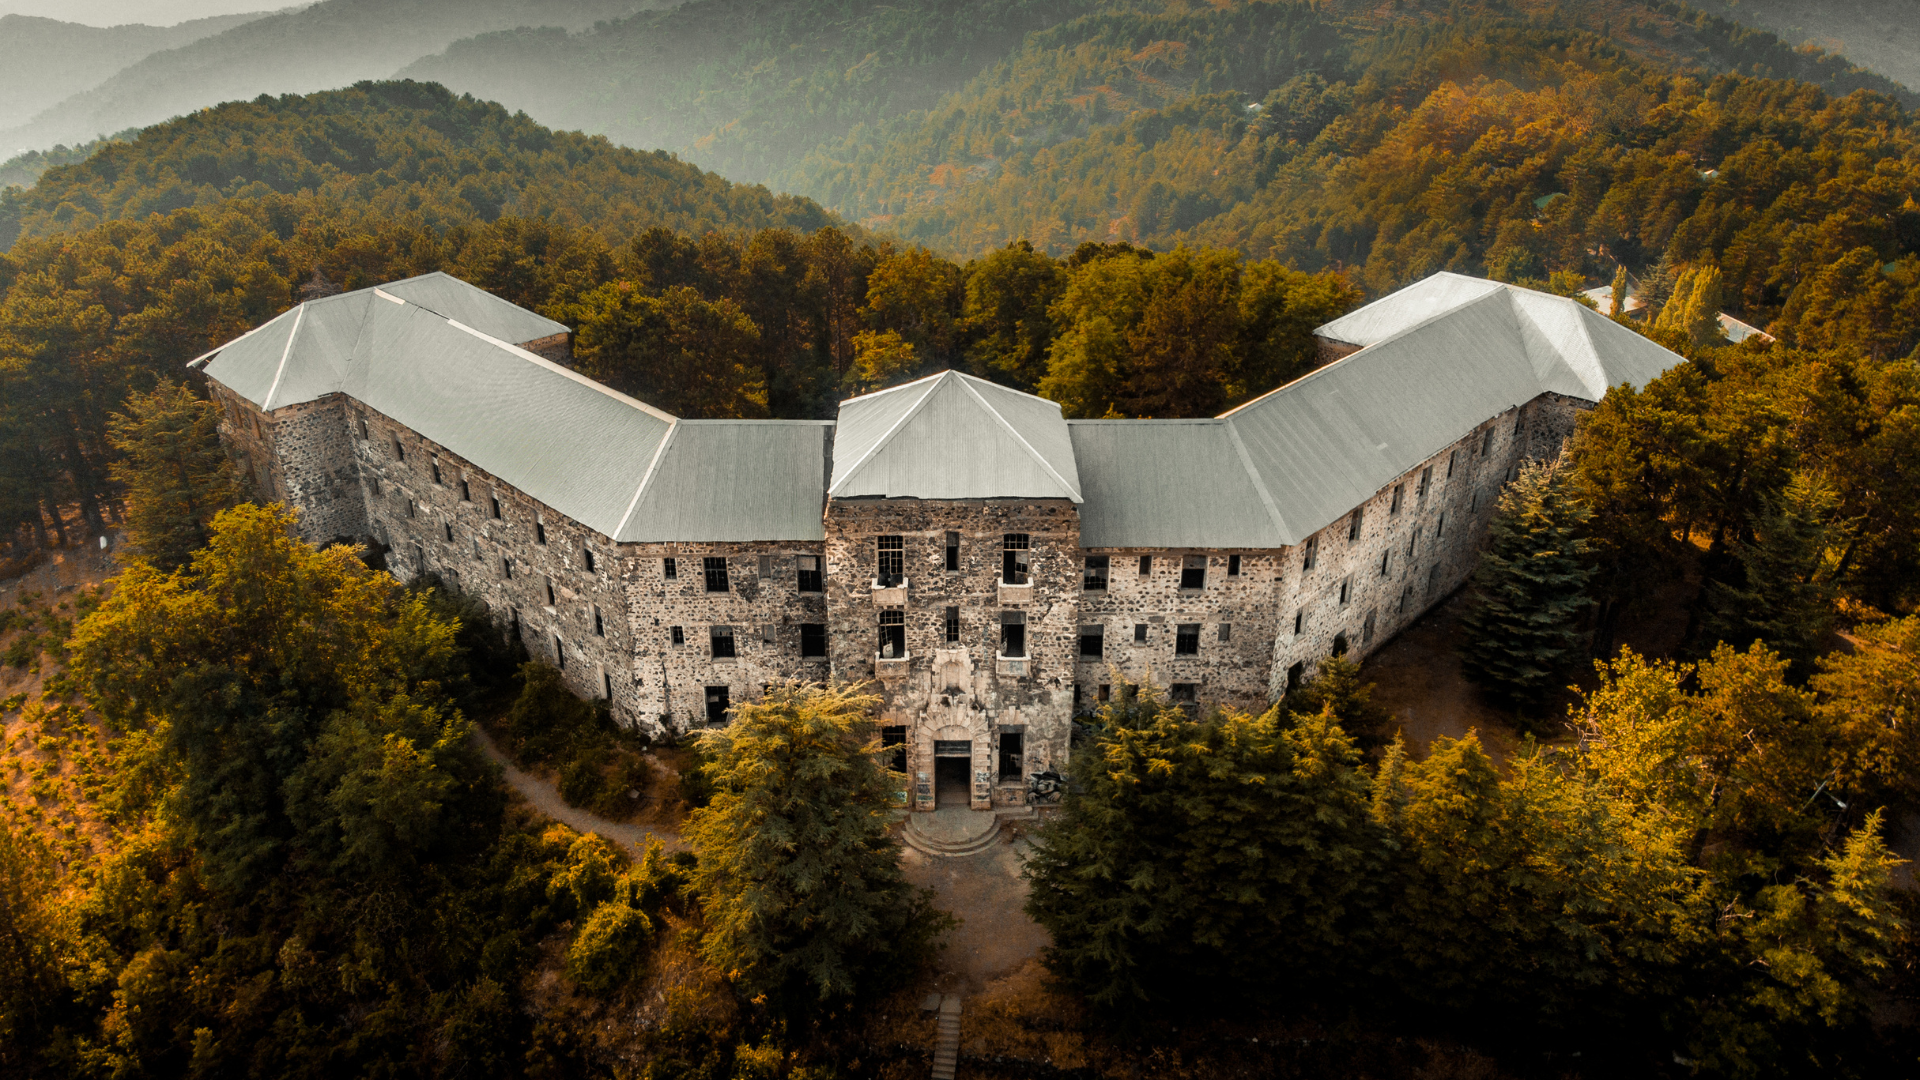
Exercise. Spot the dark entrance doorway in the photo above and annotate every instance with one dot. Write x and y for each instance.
(717, 704)
(952, 761)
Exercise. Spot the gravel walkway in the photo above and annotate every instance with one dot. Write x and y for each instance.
(546, 799)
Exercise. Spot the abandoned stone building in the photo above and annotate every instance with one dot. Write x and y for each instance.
(992, 568)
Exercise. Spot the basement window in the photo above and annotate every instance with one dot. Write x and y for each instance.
(716, 570)
(893, 635)
(1186, 639)
(1096, 574)
(721, 638)
(953, 552)
(892, 566)
(1016, 560)
(808, 572)
(951, 625)
(1193, 572)
(1092, 642)
(1013, 633)
(813, 640)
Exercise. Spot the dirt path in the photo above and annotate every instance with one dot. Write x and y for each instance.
(1417, 678)
(546, 799)
(986, 892)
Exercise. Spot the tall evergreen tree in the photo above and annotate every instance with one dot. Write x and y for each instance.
(1617, 301)
(800, 882)
(1521, 638)
(176, 474)
(1781, 594)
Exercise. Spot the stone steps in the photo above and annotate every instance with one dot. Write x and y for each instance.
(946, 1044)
(947, 844)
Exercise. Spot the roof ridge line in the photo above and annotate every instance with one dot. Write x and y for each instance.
(887, 436)
(266, 403)
(645, 478)
(1259, 482)
(1022, 440)
(1586, 334)
(540, 361)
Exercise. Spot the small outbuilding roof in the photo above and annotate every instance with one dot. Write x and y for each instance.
(952, 436)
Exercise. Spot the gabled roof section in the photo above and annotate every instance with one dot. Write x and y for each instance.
(446, 295)
(1397, 311)
(952, 436)
(733, 481)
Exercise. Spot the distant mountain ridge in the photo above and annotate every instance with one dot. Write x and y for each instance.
(49, 61)
(318, 47)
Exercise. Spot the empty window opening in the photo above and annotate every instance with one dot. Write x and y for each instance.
(1140, 633)
(419, 559)
(1092, 642)
(399, 452)
(476, 550)
(1016, 560)
(1193, 572)
(1413, 541)
(1366, 630)
(1440, 527)
(767, 633)
(1486, 443)
(506, 568)
(677, 634)
(606, 681)
(1226, 632)
(448, 526)
(1233, 566)
(721, 639)
(717, 705)
(550, 598)
(1386, 562)
(1346, 590)
(1299, 620)
(1433, 578)
(466, 491)
(1012, 761)
(951, 625)
(1451, 456)
(413, 508)
(435, 467)
(1183, 693)
(1426, 481)
(1296, 674)
(953, 552)
(766, 567)
(716, 570)
(813, 640)
(1013, 633)
(599, 624)
(1186, 639)
(806, 572)
(559, 652)
(540, 533)
(1146, 565)
(1339, 644)
(1309, 553)
(1393, 507)
(497, 516)
(668, 569)
(893, 635)
(588, 552)
(1353, 524)
(895, 739)
(892, 554)
(1095, 578)
(376, 485)
(363, 429)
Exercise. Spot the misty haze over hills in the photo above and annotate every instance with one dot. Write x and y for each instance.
(49, 61)
(124, 12)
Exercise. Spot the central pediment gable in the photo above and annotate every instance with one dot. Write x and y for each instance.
(952, 436)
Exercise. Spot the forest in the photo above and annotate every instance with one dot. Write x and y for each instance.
(249, 825)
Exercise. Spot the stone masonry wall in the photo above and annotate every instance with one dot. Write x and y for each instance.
(961, 690)
(1232, 671)
(762, 600)
(300, 455)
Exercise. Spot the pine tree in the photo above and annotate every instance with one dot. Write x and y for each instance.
(1617, 304)
(1521, 639)
(1694, 309)
(801, 885)
(1662, 277)
(1336, 687)
(1781, 596)
(176, 474)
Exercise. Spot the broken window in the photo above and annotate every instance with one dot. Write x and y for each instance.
(1309, 553)
(1353, 524)
(496, 507)
(721, 638)
(1095, 579)
(1186, 639)
(1193, 572)
(677, 634)
(1346, 590)
(1451, 455)
(413, 508)
(766, 567)
(1013, 633)
(1426, 481)
(1394, 506)
(1339, 644)
(813, 639)
(718, 702)
(893, 561)
(559, 652)
(893, 635)
(1146, 565)
(448, 526)
(952, 625)
(1366, 630)
(1386, 562)
(1226, 632)
(1486, 443)
(668, 570)
(716, 567)
(1233, 566)
(1299, 620)
(436, 471)
(1296, 673)
(953, 551)
(588, 552)
(1092, 640)
(550, 600)
(807, 572)
(363, 428)
(506, 568)
(1011, 758)
(1106, 693)
(1183, 693)
(895, 739)
(466, 492)
(1016, 560)
(599, 625)
(399, 452)
(606, 680)
(1440, 527)
(1139, 633)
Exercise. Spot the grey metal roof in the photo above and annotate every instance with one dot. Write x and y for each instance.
(952, 436)
(1171, 484)
(734, 481)
(1398, 310)
(478, 308)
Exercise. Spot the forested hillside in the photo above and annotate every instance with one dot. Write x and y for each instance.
(48, 60)
(1879, 35)
(320, 46)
